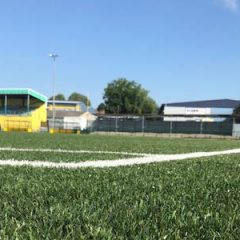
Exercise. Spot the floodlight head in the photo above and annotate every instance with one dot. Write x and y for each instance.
(53, 56)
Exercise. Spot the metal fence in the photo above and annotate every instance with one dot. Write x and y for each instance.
(137, 124)
(60, 124)
(152, 124)
(65, 126)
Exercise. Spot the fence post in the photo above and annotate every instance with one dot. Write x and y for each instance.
(143, 123)
(233, 130)
(171, 127)
(116, 124)
(201, 127)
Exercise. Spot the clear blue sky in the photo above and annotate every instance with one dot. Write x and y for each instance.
(179, 50)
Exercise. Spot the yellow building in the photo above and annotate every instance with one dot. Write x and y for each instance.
(22, 109)
(66, 106)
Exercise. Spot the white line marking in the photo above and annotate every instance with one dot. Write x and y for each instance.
(116, 163)
(69, 151)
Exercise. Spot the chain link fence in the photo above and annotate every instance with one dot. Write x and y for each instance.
(152, 124)
(137, 124)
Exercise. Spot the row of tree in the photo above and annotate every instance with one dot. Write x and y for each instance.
(73, 97)
(121, 96)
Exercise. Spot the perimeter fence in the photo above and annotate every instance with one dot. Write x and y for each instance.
(158, 124)
(214, 125)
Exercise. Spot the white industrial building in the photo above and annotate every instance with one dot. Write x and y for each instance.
(82, 122)
(205, 111)
(70, 115)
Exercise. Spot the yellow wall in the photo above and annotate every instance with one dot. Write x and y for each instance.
(64, 107)
(31, 122)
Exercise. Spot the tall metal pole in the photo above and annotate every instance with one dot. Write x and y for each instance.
(28, 103)
(53, 56)
(5, 104)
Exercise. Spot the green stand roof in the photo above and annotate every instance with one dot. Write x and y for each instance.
(23, 91)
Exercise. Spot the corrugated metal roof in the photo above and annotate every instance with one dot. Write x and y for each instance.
(64, 102)
(23, 91)
(219, 103)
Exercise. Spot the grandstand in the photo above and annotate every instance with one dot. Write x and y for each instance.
(22, 109)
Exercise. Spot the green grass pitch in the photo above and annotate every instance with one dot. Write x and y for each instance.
(189, 199)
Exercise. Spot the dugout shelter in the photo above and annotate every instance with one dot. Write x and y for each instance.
(22, 109)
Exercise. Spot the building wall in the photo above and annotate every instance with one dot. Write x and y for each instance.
(185, 119)
(186, 111)
(84, 121)
(73, 122)
(168, 110)
(228, 111)
(190, 112)
(64, 107)
(236, 130)
(31, 122)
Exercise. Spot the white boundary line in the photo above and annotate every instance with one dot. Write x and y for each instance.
(116, 163)
(70, 151)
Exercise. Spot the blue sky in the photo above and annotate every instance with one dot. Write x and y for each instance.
(178, 50)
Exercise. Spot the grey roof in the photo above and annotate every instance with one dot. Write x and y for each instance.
(65, 102)
(62, 113)
(219, 103)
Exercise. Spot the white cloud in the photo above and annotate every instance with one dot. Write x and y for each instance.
(230, 4)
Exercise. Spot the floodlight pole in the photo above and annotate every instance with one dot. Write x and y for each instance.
(53, 56)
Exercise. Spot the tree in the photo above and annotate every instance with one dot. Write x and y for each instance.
(236, 114)
(161, 109)
(80, 98)
(122, 96)
(237, 110)
(59, 96)
(101, 107)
